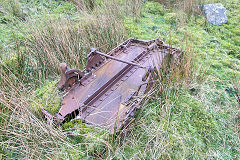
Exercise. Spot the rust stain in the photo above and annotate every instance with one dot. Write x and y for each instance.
(106, 93)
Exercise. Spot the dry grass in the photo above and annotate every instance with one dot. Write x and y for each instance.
(69, 41)
(11, 7)
(134, 7)
(176, 73)
(25, 135)
(48, 43)
(149, 136)
(187, 6)
(22, 133)
(84, 5)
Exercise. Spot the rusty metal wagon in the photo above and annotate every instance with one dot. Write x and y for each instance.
(109, 91)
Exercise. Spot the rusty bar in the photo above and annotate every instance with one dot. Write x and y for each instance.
(120, 60)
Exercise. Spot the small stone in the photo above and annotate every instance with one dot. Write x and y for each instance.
(215, 13)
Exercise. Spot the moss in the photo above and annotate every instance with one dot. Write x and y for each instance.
(47, 97)
(200, 119)
(154, 8)
(65, 8)
(132, 29)
(11, 63)
(170, 18)
(72, 124)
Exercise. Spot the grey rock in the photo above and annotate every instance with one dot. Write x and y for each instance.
(215, 13)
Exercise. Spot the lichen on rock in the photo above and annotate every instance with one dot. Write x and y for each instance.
(215, 13)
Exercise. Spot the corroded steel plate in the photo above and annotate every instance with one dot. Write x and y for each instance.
(109, 90)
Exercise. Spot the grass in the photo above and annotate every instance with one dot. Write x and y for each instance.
(192, 113)
(49, 33)
(201, 121)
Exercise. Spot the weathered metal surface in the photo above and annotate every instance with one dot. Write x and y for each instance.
(109, 90)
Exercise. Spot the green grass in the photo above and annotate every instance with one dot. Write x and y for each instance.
(196, 117)
(203, 117)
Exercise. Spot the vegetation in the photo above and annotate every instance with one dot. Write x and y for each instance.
(192, 113)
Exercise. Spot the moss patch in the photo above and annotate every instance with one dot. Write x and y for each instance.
(47, 97)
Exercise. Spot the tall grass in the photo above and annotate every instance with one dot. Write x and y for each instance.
(187, 6)
(178, 73)
(66, 40)
(173, 123)
(46, 44)
(133, 7)
(11, 7)
(149, 136)
(26, 135)
(86, 5)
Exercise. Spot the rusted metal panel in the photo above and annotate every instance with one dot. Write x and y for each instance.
(109, 90)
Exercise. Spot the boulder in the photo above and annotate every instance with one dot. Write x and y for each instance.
(215, 13)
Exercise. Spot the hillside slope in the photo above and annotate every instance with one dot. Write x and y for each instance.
(193, 113)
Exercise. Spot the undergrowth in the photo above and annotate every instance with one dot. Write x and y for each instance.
(192, 112)
(201, 120)
(32, 46)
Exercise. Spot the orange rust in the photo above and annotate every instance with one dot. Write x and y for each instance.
(108, 92)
